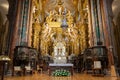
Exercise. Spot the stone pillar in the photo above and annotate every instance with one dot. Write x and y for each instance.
(19, 24)
(109, 27)
(102, 27)
(107, 31)
(91, 35)
(102, 39)
(24, 22)
(93, 22)
(12, 17)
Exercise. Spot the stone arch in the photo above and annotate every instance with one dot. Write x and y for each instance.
(1, 20)
(117, 35)
(4, 5)
(115, 9)
(117, 29)
(1, 24)
(118, 19)
(116, 26)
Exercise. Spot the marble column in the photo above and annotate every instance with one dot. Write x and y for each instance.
(107, 32)
(102, 39)
(23, 28)
(93, 21)
(91, 35)
(13, 17)
(19, 23)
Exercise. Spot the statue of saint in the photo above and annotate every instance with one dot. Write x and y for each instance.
(60, 10)
(50, 17)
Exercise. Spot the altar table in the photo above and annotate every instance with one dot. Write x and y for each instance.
(54, 66)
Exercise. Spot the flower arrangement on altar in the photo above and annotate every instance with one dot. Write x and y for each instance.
(61, 72)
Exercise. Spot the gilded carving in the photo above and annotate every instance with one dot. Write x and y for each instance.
(75, 36)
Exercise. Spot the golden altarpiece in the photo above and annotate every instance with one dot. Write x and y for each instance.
(82, 28)
(60, 28)
(60, 37)
(72, 39)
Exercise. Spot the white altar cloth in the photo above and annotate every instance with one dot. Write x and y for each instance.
(54, 64)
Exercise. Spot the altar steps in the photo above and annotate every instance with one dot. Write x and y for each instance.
(76, 76)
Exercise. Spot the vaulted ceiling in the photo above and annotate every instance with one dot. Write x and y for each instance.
(50, 4)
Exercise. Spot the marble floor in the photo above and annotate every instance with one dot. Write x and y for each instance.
(76, 76)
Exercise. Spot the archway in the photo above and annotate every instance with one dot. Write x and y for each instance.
(116, 19)
(4, 6)
(3, 23)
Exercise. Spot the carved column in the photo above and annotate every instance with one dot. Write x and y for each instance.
(35, 35)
